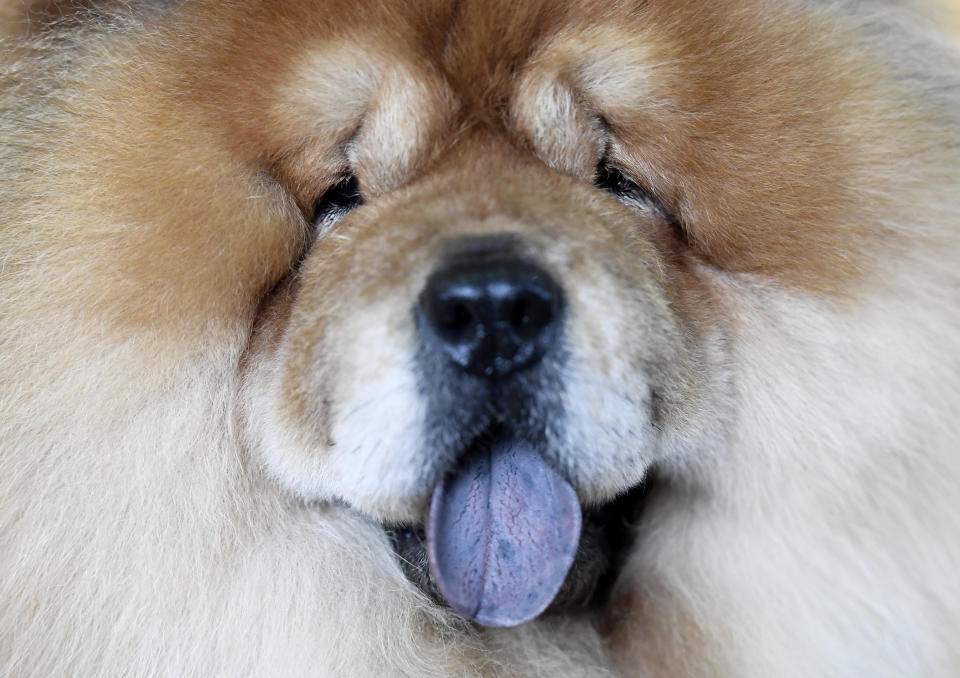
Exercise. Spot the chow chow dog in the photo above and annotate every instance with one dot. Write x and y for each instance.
(479, 338)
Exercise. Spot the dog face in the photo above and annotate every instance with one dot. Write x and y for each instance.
(364, 352)
(522, 250)
(372, 388)
(480, 270)
(614, 316)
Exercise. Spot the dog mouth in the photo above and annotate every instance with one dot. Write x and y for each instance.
(505, 538)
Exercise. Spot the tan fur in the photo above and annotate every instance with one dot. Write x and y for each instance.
(196, 447)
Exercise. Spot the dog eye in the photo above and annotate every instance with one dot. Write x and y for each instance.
(629, 192)
(336, 202)
(633, 195)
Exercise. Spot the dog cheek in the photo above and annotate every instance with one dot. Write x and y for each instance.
(333, 400)
(630, 366)
(609, 439)
(379, 456)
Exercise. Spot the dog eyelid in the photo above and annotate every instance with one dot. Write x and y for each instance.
(617, 182)
(336, 202)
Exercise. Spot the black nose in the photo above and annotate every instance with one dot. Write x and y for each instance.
(490, 317)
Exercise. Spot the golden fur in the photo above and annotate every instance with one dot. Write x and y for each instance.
(196, 448)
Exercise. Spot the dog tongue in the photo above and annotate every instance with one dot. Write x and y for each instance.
(502, 534)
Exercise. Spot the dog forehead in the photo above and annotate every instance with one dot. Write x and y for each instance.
(392, 99)
(664, 89)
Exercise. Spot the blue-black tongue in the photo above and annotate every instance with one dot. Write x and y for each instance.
(502, 534)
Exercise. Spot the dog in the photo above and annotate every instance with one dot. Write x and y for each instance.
(479, 339)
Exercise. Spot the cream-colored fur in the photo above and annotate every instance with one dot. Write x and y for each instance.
(171, 502)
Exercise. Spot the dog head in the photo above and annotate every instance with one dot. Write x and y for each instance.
(494, 258)
(496, 266)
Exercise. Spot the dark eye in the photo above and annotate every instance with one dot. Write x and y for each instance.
(614, 181)
(336, 202)
(633, 195)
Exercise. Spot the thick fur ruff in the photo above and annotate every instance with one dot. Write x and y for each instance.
(213, 402)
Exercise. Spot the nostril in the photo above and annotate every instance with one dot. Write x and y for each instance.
(531, 313)
(454, 317)
(490, 317)
(520, 317)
